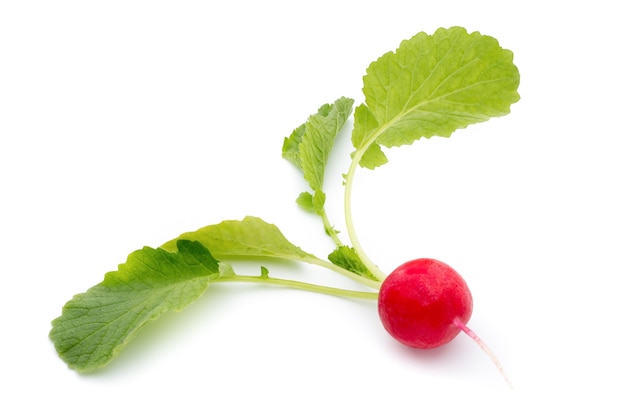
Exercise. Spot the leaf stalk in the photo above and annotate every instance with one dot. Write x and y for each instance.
(349, 180)
(365, 295)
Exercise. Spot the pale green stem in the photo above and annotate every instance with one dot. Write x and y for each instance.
(374, 269)
(366, 295)
(314, 260)
(330, 230)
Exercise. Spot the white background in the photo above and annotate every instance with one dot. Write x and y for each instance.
(125, 123)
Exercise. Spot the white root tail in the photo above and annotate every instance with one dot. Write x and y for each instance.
(484, 347)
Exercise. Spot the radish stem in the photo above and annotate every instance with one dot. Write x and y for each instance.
(338, 292)
(349, 178)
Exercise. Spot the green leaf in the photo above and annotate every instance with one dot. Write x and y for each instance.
(96, 325)
(249, 237)
(364, 125)
(291, 146)
(265, 273)
(319, 199)
(319, 139)
(313, 203)
(309, 146)
(305, 201)
(434, 84)
(347, 258)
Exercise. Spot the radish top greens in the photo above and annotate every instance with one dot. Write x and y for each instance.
(430, 86)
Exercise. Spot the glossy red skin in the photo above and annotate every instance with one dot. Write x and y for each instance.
(419, 301)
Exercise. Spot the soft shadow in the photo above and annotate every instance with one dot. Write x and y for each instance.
(145, 346)
(453, 356)
(154, 339)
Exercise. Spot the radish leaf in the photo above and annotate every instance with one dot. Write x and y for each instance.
(309, 146)
(364, 126)
(250, 237)
(431, 86)
(97, 324)
(347, 258)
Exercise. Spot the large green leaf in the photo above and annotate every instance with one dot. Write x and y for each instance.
(434, 84)
(96, 325)
(249, 237)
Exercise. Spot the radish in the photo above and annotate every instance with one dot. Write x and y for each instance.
(424, 304)
(420, 300)
(430, 86)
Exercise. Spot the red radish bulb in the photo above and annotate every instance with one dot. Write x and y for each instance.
(424, 303)
(419, 302)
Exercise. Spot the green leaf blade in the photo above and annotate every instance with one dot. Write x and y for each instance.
(96, 325)
(250, 237)
(309, 145)
(364, 125)
(434, 85)
(319, 138)
(291, 146)
(305, 201)
(347, 258)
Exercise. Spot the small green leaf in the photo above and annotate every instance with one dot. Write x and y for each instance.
(96, 325)
(244, 238)
(313, 203)
(373, 157)
(434, 84)
(305, 201)
(347, 258)
(265, 273)
(226, 270)
(365, 124)
(319, 199)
